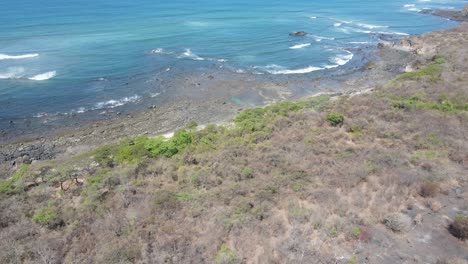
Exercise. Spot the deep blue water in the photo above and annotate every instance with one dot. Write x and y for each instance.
(61, 56)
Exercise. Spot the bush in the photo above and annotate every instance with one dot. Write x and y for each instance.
(132, 151)
(160, 147)
(429, 189)
(440, 60)
(459, 227)
(48, 216)
(169, 147)
(247, 172)
(433, 72)
(10, 186)
(225, 255)
(356, 232)
(166, 200)
(335, 119)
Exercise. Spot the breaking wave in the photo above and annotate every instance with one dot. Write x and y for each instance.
(44, 76)
(300, 46)
(17, 57)
(116, 103)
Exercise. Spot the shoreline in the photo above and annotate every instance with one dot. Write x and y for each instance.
(385, 61)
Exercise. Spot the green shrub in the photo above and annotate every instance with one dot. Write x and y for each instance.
(247, 172)
(104, 155)
(440, 60)
(225, 255)
(335, 119)
(356, 232)
(192, 125)
(136, 149)
(259, 119)
(9, 186)
(48, 216)
(444, 104)
(161, 146)
(433, 72)
(132, 151)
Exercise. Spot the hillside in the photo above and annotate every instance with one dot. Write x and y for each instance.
(373, 177)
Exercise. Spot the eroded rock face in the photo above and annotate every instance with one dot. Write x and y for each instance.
(465, 11)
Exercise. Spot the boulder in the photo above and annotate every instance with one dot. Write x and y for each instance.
(298, 34)
(397, 222)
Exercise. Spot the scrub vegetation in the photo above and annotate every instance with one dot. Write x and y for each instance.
(321, 180)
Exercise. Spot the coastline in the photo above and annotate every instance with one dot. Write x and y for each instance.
(375, 173)
(209, 98)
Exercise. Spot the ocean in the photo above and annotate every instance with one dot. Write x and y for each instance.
(85, 56)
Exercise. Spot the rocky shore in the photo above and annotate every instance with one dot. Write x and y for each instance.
(457, 15)
(375, 172)
(211, 98)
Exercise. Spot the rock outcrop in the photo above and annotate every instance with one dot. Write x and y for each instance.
(298, 34)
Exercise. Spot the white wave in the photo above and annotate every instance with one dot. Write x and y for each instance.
(424, 0)
(391, 33)
(190, 55)
(377, 32)
(79, 110)
(300, 46)
(13, 73)
(116, 103)
(43, 76)
(313, 17)
(342, 59)
(276, 69)
(414, 9)
(39, 115)
(17, 57)
(159, 51)
(359, 42)
(320, 38)
(152, 95)
(409, 5)
(331, 66)
(357, 24)
(369, 26)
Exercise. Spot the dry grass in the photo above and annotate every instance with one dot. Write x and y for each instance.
(285, 184)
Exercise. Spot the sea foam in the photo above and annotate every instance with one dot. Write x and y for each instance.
(277, 69)
(43, 76)
(13, 73)
(342, 59)
(190, 55)
(17, 57)
(116, 103)
(300, 46)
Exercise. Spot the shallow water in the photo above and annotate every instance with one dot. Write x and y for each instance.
(78, 56)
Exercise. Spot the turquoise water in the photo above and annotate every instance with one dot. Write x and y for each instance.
(82, 55)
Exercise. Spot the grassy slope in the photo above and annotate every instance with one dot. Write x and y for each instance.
(289, 183)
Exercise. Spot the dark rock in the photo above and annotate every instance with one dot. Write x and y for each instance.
(298, 34)
(457, 15)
